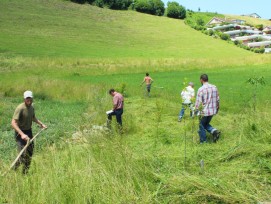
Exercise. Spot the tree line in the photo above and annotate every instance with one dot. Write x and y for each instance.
(153, 7)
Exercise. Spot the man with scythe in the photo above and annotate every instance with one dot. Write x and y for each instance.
(22, 123)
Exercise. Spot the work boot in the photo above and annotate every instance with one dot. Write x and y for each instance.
(216, 135)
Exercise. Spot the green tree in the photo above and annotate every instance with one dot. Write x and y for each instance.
(174, 10)
(154, 7)
(118, 4)
(259, 27)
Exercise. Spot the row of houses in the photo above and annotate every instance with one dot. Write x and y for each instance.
(237, 30)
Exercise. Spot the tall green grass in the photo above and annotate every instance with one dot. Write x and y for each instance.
(70, 55)
(147, 163)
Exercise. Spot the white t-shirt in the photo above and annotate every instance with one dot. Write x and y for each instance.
(187, 94)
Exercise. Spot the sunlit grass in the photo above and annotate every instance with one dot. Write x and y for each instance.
(69, 55)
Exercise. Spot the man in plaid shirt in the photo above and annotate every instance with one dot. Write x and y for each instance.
(207, 103)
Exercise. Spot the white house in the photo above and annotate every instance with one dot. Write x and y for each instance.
(267, 30)
(223, 27)
(218, 21)
(249, 32)
(259, 44)
(215, 21)
(251, 37)
(253, 15)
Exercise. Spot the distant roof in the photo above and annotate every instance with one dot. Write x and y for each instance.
(267, 28)
(258, 44)
(216, 20)
(254, 15)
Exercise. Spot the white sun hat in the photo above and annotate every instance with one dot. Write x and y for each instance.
(28, 94)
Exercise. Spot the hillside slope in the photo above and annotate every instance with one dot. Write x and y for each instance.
(57, 28)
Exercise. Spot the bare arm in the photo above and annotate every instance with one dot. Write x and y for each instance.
(38, 122)
(142, 82)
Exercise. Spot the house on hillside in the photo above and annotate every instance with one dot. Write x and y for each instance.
(238, 21)
(267, 30)
(259, 44)
(253, 15)
(248, 38)
(224, 27)
(219, 21)
(215, 21)
(235, 33)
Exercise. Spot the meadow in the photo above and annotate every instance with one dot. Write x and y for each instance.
(70, 55)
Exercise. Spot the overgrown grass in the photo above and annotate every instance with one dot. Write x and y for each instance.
(146, 163)
(156, 159)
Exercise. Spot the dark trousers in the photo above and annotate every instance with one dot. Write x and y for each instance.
(203, 126)
(118, 114)
(26, 157)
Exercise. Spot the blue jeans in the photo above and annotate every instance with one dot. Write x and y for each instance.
(118, 114)
(205, 125)
(184, 106)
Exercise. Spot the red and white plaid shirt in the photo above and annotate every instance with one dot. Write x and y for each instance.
(208, 96)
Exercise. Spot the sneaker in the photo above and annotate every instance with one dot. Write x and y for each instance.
(180, 119)
(216, 135)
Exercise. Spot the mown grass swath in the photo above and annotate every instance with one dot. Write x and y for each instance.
(69, 55)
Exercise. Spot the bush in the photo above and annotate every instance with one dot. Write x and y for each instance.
(79, 1)
(154, 7)
(118, 4)
(210, 32)
(112, 4)
(99, 3)
(174, 10)
(158, 7)
(259, 27)
(259, 50)
(198, 27)
(200, 22)
(224, 36)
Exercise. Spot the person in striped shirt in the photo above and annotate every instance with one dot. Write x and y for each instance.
(207, 105)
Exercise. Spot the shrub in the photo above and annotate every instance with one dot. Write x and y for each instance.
(200, 22)
(174, 10)
(99, 3)
(225, 36)
(237, 42)
(158, 7)
(79, 1)
(259, 50)
(154, 7)
(258, 39)
(118, 4)
(210, 32)
(259, 27)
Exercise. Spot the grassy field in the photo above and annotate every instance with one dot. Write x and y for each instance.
(70, 55)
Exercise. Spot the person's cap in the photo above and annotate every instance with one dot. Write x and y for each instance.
(191, 84)
(28, 94)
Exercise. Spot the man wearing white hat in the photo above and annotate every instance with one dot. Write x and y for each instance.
(187, 94)
(22, 123)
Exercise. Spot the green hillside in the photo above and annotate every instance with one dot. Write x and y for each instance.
(70, 55)
(63, 29)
